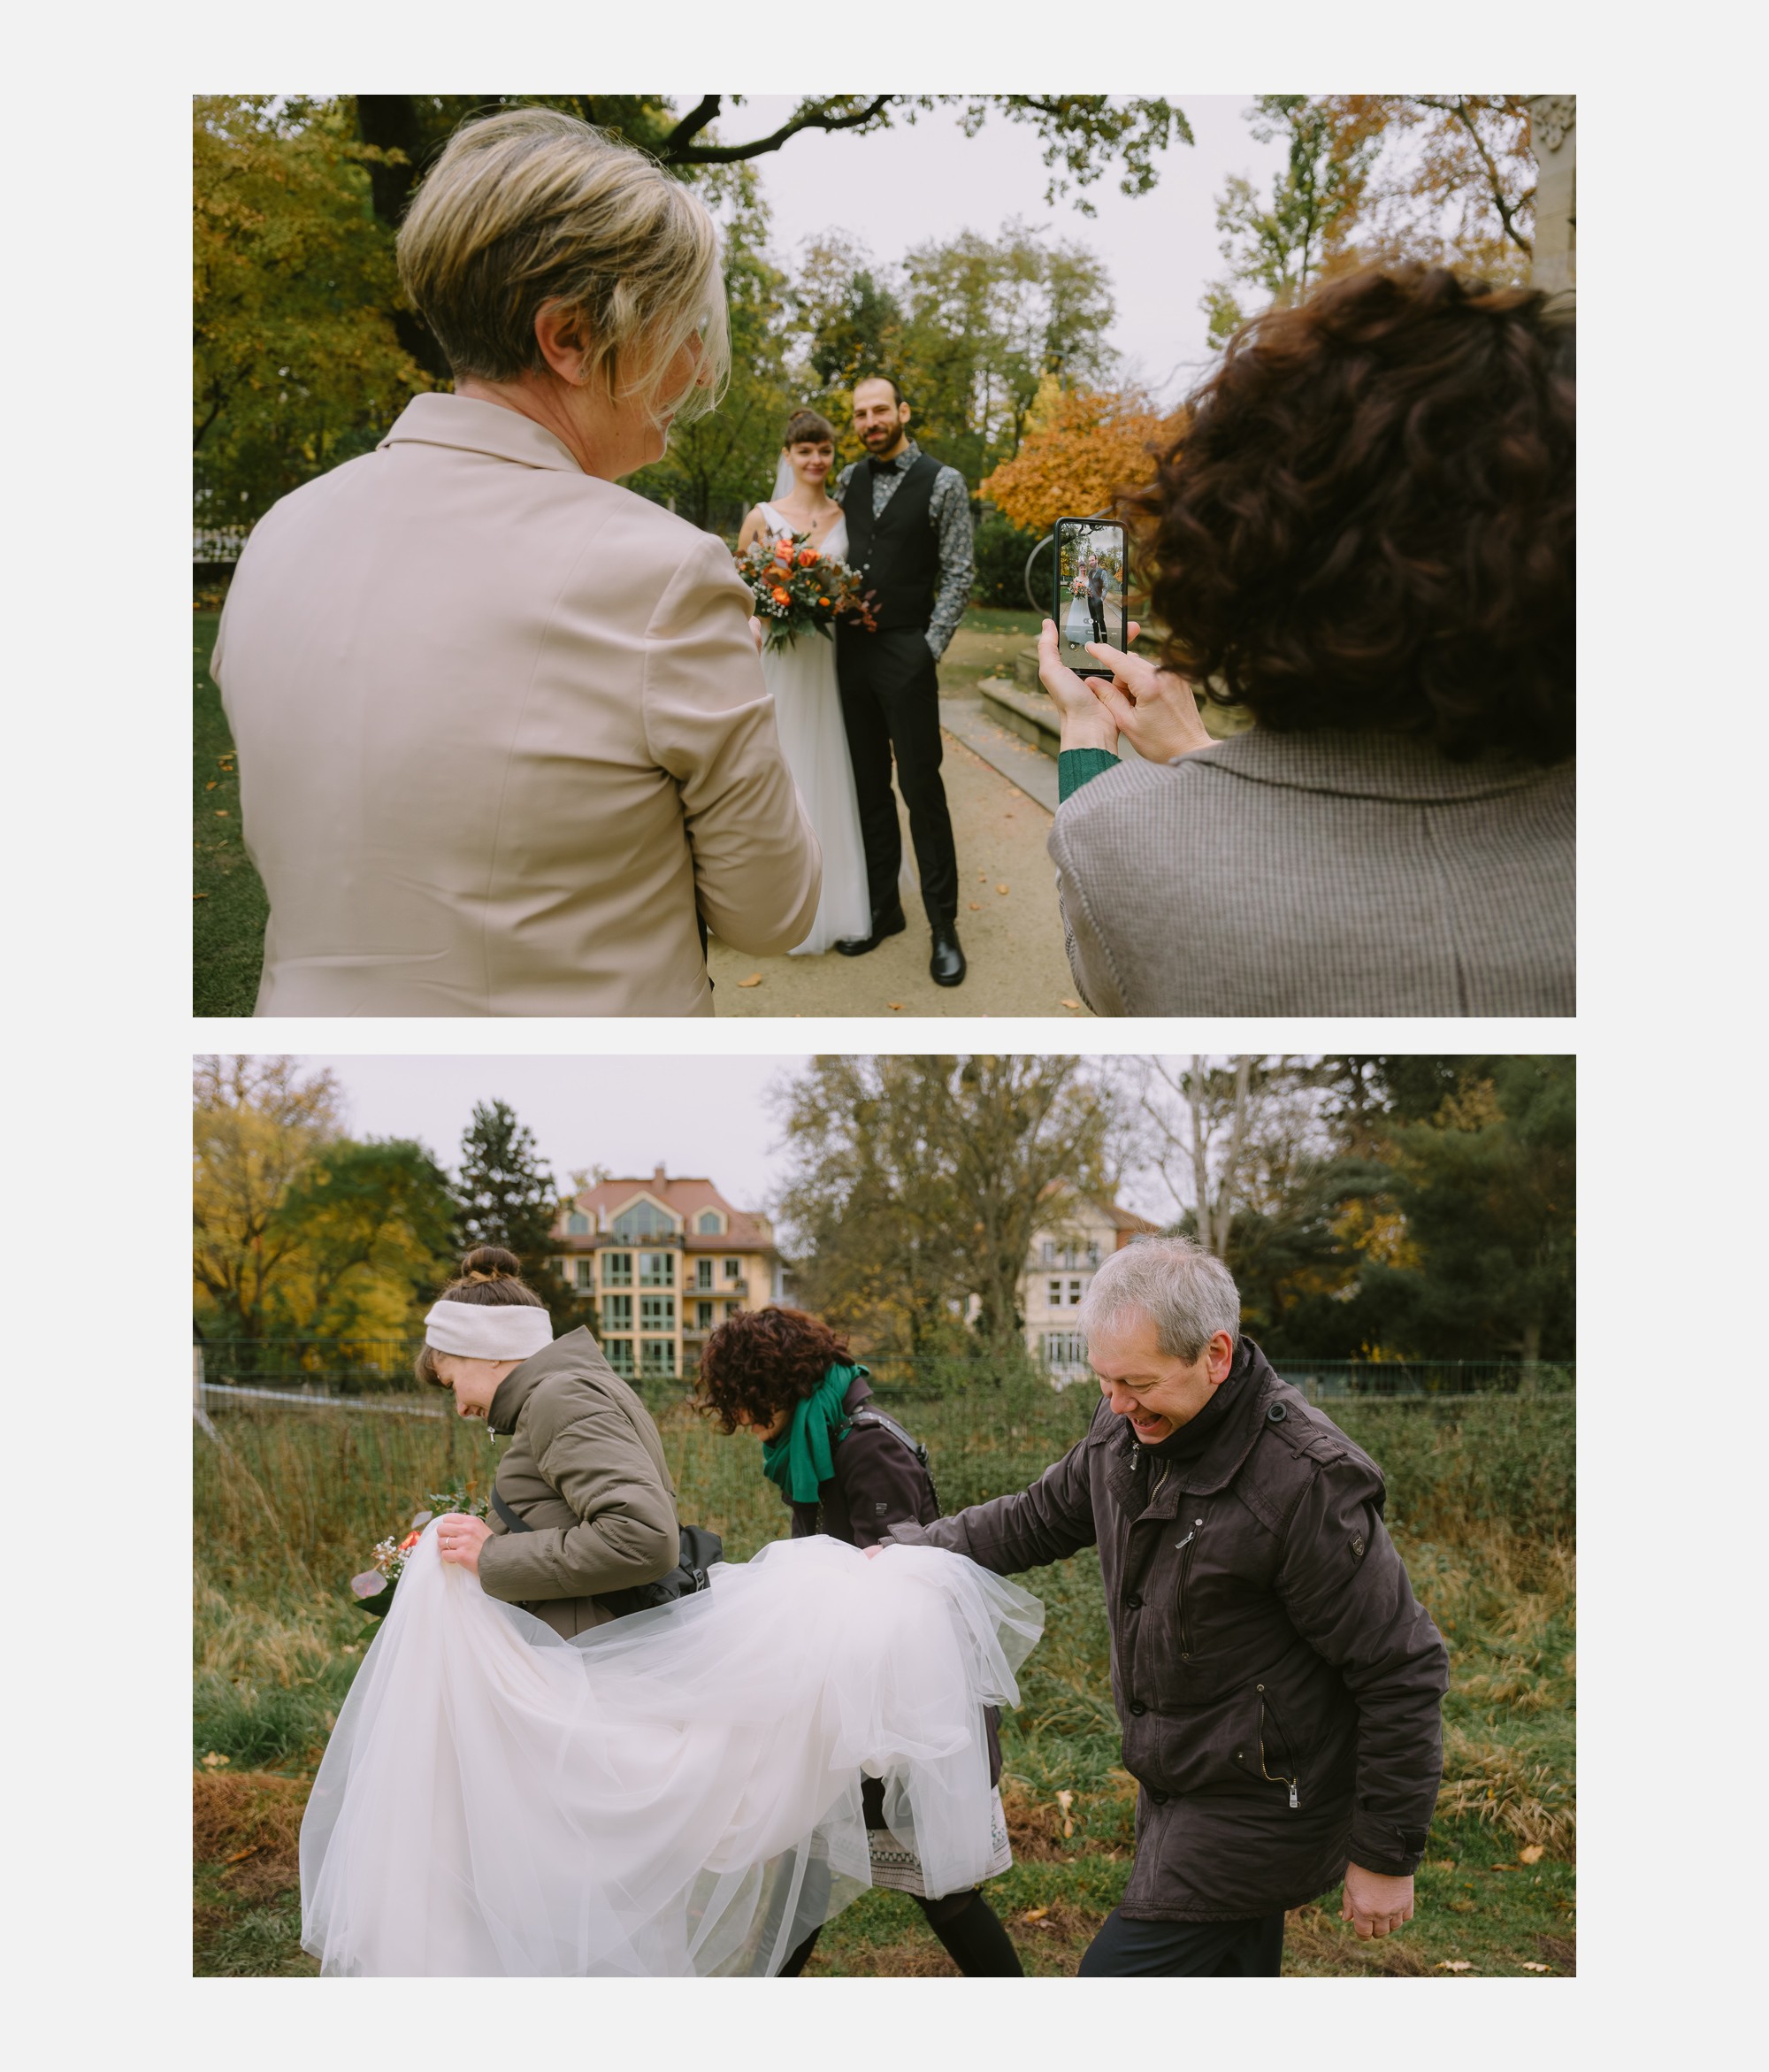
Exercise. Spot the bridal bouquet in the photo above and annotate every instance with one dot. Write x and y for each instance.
(373, 1589)
(798, 590)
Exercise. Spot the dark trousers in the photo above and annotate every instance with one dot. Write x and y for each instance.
(1185, 1949)
(890, 705)
(1096, 611)
(968, 1929)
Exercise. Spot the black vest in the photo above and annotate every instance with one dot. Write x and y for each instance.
(897, 552)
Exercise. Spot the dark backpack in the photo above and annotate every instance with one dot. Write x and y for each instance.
(700, 1549)
(867, 1415)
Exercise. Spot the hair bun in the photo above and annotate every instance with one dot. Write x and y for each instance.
(491, 1262)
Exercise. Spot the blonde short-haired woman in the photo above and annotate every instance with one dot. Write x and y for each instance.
(505, 742)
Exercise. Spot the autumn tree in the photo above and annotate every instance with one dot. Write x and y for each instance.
(1082, 449)
(1279, 246)
(298, 362)
(917, 1183)
(299, 1230)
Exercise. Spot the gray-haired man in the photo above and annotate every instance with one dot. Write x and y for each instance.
(1278, 1684)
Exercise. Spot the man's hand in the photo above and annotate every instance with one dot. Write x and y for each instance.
(1375, 1904)
(1085, 722)
(1152, 708)
(459, 1538)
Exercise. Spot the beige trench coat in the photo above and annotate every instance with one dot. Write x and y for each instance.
(501, 732)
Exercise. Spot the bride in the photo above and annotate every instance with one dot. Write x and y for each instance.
(673, 1793)
(806, 703)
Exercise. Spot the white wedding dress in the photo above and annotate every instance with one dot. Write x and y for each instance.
(673, 1794)
(807, 712)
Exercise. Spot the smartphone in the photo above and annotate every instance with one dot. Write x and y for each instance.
(1093, 574)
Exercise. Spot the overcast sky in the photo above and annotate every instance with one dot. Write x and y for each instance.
(908, 185)
(694, 1116)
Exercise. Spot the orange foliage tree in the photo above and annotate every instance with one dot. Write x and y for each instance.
(1084, 447)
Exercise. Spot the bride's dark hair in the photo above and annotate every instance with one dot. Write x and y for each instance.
(807, 428)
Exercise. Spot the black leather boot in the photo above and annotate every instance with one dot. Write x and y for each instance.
(883, 924)
(947, 966)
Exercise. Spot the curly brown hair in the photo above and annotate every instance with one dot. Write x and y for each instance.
(1367, 521)
(761, 1362)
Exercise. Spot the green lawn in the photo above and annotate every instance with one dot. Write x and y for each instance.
(228, 907)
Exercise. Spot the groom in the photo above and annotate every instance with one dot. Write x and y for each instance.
(908, 533)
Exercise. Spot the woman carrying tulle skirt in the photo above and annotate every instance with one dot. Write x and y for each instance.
(673, 1793)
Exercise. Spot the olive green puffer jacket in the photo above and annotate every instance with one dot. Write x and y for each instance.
(586, 1472)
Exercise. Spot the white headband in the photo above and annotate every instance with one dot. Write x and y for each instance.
(488, 1331)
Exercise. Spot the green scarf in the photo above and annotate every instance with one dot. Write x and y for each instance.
(802, 1459)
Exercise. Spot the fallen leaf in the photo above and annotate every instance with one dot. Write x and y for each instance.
(1066, 1003)
(221, 813)
(1538, 1967)
(982, 876)
(895, 1006)
(240, 1856)
(1532, 1855)
(1000, 888)
(1501, 1867)
(1463, 1907)
(754, 978)
(210, 787)
(1455, 1964)
(214, 1762)
(1035, 1914)
(977, 906)
(199, 895)
(1065, 1800)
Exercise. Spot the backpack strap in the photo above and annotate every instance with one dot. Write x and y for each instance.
(512, 1518)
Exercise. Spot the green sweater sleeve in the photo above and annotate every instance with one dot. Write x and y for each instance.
(1075, 766)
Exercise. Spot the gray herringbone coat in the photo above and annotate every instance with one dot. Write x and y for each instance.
(1322, 873)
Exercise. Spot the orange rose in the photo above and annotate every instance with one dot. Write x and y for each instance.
(781, 597)
(806, 555)
(409, 1542)
(782, 551)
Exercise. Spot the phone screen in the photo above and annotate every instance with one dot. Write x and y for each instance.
(1093, 564)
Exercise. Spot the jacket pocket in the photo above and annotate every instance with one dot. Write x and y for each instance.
(1277, 1758)
(1182, 1612)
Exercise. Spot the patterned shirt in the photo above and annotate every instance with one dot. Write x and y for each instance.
(949, 511)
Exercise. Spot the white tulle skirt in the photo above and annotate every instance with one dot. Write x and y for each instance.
(677, 1793)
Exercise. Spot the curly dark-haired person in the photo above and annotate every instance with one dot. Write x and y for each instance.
(846, 1470)
(1361, 542)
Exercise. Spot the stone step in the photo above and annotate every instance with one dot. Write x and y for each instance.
(1030, 714)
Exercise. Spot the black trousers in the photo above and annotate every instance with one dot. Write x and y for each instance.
(1185, 1949)
(890, 705)
(1096, 611)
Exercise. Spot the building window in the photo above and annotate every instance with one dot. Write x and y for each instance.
(711, 1224)
(617, 1269)
(643, 1219)
(1048, 1252)
(733, 1270)
(617, 1313)
(1075, 1295)
(578, 1224)
(619, 1353)
(703, 1273)
(582, 1272)
(1093, 1254)
(656, 1269)
(656, 1356)
(1064, 1348)
(703, 1316)
(657, 1313)
(1053, 1291)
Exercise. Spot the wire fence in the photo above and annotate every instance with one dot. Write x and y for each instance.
(355, 1369)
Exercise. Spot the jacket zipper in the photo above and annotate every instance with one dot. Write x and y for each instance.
(1264, 1772)
(1184, 1550)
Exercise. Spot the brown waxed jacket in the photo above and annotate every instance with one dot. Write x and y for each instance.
(1278, 1684)
(585, 1471)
